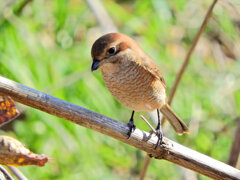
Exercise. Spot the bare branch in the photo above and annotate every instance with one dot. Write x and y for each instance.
(148, 124)
(193, 45)
(102, 16)
(145, 167)
(235, 150)
(170, 151)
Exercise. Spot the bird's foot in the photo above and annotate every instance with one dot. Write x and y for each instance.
(159, 134)
(132, 127)
(150, 155)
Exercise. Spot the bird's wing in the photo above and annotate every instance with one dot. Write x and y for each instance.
(149, 65)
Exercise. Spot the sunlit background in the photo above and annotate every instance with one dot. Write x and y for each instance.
(46, 45)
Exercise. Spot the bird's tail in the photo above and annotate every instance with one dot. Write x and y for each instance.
(179, 126)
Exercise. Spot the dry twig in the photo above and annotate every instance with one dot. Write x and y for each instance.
(145, 167)
(148, 124)
(193, 45)
(235, 150)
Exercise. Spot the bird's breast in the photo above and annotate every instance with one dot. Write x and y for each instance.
(135, 88)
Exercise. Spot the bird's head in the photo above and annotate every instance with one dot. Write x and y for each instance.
(113, 48)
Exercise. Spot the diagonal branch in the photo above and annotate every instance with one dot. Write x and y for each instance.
(235, 150)
(170, 151)
(193, 45)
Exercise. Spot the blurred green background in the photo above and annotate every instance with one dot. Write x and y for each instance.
(46, 45)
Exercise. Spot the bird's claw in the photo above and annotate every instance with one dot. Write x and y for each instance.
(132, 127)
(159, 134)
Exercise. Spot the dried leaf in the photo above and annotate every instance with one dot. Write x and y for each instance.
(14, 153)
(8, 110)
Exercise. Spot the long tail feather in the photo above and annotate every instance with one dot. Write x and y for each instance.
(179, 126)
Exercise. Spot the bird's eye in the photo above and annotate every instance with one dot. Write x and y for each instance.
(111, 50)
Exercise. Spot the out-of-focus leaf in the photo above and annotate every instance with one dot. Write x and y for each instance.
(14, 153)
(8, 111)
(237, 100)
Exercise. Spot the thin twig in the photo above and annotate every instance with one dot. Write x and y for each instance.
(193, 45)
(147, 157)
(148, 124)
(183, 68)
(102, 16)
(17, 173)
(235, 150)
(170, 150)
(4, 174)
(145, 167)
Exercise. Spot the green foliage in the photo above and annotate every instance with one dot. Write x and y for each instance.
(237, 100)
(47, 47)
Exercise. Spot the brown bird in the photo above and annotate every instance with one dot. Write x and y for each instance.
(133, 78)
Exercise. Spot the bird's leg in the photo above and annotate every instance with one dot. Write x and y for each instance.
(131, 125)
(159, 130)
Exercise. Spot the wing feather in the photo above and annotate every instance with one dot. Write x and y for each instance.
(149, 65)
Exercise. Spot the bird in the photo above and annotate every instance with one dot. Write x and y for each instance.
(134, 79)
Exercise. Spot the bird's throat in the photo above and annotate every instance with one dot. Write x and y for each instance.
(110, 68)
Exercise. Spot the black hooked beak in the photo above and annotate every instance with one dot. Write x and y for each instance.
(95, 64)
